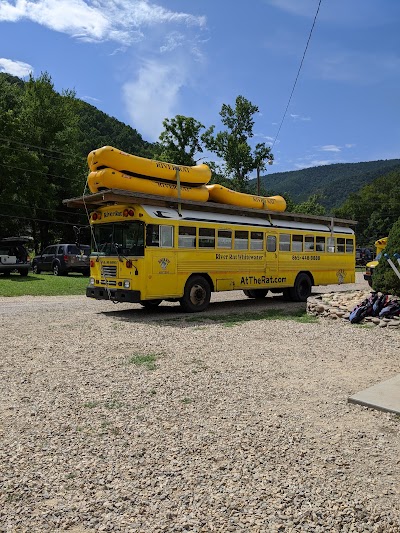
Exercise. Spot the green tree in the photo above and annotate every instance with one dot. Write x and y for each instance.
(180, 141)
(311, 206)
(42, 160)
(384, 278)
(232, 145)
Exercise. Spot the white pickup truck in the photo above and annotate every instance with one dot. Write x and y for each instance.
(14, 256)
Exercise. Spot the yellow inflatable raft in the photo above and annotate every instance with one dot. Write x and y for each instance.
(223, 195)
(113, 179)
(139, 167)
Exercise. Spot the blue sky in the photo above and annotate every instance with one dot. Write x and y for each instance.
(143, 61)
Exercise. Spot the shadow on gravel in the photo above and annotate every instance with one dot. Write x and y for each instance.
(229, 313)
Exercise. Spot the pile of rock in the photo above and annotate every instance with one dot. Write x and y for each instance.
(338, 305)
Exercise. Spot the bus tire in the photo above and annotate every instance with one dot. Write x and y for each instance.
(150, 304)
(197, 295)
(302, 288)
(257, 294)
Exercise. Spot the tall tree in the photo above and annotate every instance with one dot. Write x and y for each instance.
(42, 159)
(180, 141)
(232, 144)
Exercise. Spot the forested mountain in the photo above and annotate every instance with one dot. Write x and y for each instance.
(376, 207)
(332, 183)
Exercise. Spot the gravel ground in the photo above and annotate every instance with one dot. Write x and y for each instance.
(241, 428)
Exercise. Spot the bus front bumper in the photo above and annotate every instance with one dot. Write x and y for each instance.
(118, 295)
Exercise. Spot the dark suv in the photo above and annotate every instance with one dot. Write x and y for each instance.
(14, 256)
(63, 258)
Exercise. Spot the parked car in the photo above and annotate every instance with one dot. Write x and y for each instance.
(380, 245)
(14, 256)
(363, 256)
(62, 259)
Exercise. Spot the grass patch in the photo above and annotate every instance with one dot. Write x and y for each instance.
(148, 361)
(43, 285)
(90, 405)
(186, 401)
(234, 319)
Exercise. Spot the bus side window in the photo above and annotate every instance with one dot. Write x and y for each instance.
(297, 243)
(309, 243)
(166, 236)
(284, 242)
(241, 240)
(224, 239)
(340, 245)
(320, 244)
(186, 237)
(349, 246)
(152, 235)
(206, 238)
(256, 240)
(331, 245)
(271, 243)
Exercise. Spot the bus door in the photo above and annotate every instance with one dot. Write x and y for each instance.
(271, 253)
(161, 261)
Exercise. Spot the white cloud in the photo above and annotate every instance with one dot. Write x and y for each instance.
(96, 20)
(349, 145)
(358, 67)
(153, 96)
(90, 99)
(173, 40)
(295, 7)
(320, 163)
(330, 148)
(299, 117)
(16, 68)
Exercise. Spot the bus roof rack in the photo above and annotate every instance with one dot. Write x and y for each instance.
(121, 196)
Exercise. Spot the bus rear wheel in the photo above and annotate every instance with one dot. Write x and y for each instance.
(197, 295)
(302, 288)
(257, 294)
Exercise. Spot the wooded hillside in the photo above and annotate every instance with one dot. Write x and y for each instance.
(332, 183)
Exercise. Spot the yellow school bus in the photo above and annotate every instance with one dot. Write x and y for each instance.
(146, 251)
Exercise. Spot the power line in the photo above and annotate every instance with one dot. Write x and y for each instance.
(42, 220)
(69, 154)
(49, 156)
(43, 209)
(35, 172)
(298, 74)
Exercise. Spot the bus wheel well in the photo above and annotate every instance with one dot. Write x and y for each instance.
(205, 276)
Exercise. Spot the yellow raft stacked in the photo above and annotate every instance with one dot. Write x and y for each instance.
(111, 168)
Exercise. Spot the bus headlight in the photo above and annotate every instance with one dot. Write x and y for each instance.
(91, 281)
(127, 283)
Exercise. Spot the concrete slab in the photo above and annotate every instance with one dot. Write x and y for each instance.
(385, 396)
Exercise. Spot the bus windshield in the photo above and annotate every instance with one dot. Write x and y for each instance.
(119, 239)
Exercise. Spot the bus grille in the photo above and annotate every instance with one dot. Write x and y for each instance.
(111, 283)
(108, 271)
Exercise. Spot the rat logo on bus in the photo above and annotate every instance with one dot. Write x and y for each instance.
(340, 274)
(164, 262)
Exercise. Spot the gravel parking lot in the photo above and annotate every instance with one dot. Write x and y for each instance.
(114, 418)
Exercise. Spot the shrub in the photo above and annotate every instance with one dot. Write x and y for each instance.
(384, 278)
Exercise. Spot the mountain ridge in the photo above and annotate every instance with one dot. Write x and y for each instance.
(332, 183)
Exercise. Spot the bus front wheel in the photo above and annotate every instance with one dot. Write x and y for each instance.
(197, 295)
(150, 304)
(302, 288)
